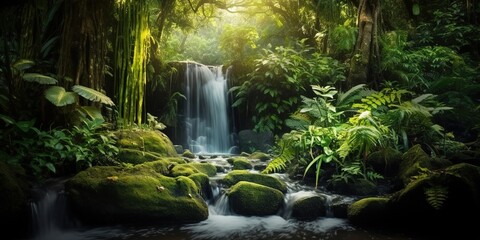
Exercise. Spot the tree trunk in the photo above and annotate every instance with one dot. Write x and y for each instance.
(83, 42)
(366, 47)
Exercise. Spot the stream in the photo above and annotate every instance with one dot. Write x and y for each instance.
(51, 220)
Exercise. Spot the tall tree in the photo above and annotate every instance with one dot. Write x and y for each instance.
(84, 42)
(366, 50)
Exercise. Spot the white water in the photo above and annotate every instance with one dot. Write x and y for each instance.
(206, 112)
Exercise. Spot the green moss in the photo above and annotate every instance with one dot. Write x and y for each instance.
(385, 161)
(309, 208)
(241, 164)
(206, 168)
(143, 140)
(203, 183)
(369, 211)
(236, 176)
(249, 199)
(231, 160)
(194, 167)
(137, 194)
(259, 155)
(188, 154)
(136, 156)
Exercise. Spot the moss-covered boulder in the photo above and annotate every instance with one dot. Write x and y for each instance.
(141, 145)
(444, 198)
(309, 207)
(371, 211)
(260, 156)
(203, 183)
(188, 169)
(415, 160)
(385, 161)
(253, 199)
(442, 201)
(13, 202)
(241, 164)
(136, 194)
(359, 187)
(188, 154)
(236, 176)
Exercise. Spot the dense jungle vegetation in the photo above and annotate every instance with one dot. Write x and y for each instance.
(336, 81)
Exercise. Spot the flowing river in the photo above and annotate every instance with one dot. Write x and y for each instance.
(51, 220)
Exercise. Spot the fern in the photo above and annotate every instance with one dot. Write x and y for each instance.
(436, 196)
(376, 100)
(280, 162)
(92, 95)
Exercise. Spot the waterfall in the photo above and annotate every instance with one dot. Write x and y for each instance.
(206, 113)
(49, 213)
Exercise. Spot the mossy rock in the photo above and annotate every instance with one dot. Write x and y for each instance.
(140, 145)
(415, 160)
(188, 169)
(309, 207)
(372, 211)
(385, 161)
(231, 160)
(162, 166)
(359, 187)
(203, 183)
(236, 176)
(137, 194)
(134, 156)
(251, 199)
(13, 202)
(260, 156)
(241, 164)
(444, 198)
(188, 154)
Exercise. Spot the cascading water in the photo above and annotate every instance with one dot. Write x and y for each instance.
(207, 127)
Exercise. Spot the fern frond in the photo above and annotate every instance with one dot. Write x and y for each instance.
(280, 162)
(436, 196)
(92, 95)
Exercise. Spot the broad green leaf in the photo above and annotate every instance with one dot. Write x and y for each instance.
(39, 78)
(93, 112)
(59, 97)
(24, 126)
(92, 95)
(23, 64)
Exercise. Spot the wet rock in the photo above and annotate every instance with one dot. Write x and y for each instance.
(309, 207)
(135, 194)
(188, 169)
(251, 199)
(249, 139)
(236, 176)
(386, 161)
(188, 154)
(139, 145)
(260, 156)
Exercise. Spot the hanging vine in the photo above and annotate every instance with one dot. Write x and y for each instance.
(131, 54)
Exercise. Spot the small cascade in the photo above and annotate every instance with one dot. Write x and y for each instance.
(49, 213)
(221, 206)
(207, 122)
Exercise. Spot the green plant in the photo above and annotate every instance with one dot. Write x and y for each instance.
(280, 75)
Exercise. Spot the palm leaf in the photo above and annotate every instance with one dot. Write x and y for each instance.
(92, 95)
(93, 112)
(59, 97)
(39, 78)
(23, 64)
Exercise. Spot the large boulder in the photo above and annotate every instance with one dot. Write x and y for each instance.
(251, 199)
(136, 194)
(309, 207)
(442, 201)
(141, 145)
(236, 176)
(415, 161)
(385, 161)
